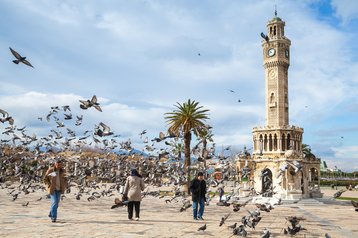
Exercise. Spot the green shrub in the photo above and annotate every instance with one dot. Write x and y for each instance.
(339, 183)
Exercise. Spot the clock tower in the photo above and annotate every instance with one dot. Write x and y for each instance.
(278, 165)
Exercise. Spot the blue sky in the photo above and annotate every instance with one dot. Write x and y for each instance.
(141, 57)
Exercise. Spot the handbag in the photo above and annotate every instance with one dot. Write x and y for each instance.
(124, 197)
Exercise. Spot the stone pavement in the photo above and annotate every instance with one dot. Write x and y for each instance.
(158, 219)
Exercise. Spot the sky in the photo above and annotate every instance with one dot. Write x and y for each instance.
(142, 57)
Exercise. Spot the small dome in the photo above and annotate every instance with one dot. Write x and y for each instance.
(276, 18)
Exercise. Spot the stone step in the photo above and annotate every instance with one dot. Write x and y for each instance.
(304, 201)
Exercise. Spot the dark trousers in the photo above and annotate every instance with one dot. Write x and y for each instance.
(130, 209)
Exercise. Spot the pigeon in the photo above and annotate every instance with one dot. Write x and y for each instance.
(202, 228)
(355, 205)
(240, 231)
(339, 193)
(19, 58)
(142, 133)
(264, 36)
(105, 131)
(6, 117)
(85, 104)
(266, 233)
(232, 226)
(185, 206)
(223, 219)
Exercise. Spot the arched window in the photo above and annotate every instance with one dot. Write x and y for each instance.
(288, 142)
(275, 142)
(270, 142)
(272, 98)
(261, 146)
(266, 183)
(283, 144)
(265, 143)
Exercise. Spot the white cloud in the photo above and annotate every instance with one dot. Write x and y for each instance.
(347, 10)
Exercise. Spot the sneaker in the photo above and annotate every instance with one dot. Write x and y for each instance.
(195, 218)
(201, 218)
(53, 220)
(137, 218)
(131, 219)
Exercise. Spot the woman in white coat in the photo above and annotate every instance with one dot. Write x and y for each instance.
(133, 189)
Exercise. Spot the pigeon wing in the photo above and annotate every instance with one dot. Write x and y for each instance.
(4, 113)
(106, 128)
(97, 107)
(17, 55)
(94, 99)
(27, 63)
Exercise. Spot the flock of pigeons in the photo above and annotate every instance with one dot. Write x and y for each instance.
(26, 158)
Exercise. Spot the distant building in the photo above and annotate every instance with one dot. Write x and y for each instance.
(323, 166)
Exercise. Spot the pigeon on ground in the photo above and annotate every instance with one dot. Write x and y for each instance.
(266, 233)
(355, 205)
(223, 219)
(232, 226)
(202, 228)
(339, 193)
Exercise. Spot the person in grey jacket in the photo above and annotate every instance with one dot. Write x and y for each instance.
(133, 189)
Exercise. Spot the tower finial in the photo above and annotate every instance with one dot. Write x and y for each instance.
(275, 10)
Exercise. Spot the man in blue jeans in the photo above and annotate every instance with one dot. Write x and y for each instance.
(198, 192)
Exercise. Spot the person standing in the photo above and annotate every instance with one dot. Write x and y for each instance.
(198, 192)
(55, 181)
(133, 190)
(221, 192)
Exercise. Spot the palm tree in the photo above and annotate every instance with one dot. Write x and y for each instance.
(177, 148)
(306, 150)
(187, 117)
(205, 136)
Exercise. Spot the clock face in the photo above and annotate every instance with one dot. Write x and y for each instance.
(287, 53)
(271, 52)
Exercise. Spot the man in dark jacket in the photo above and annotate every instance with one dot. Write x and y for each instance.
(198, 191)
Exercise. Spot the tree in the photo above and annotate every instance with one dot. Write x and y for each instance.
(177, 148)
(187, 118)
(205, 136)
(306, 150)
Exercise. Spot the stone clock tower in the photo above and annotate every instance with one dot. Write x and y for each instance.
(278, 164)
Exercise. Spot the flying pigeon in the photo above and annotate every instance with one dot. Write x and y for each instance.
(105, 131)
(85, 104)
(264, 36)
(6, 117)
(19, 58)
